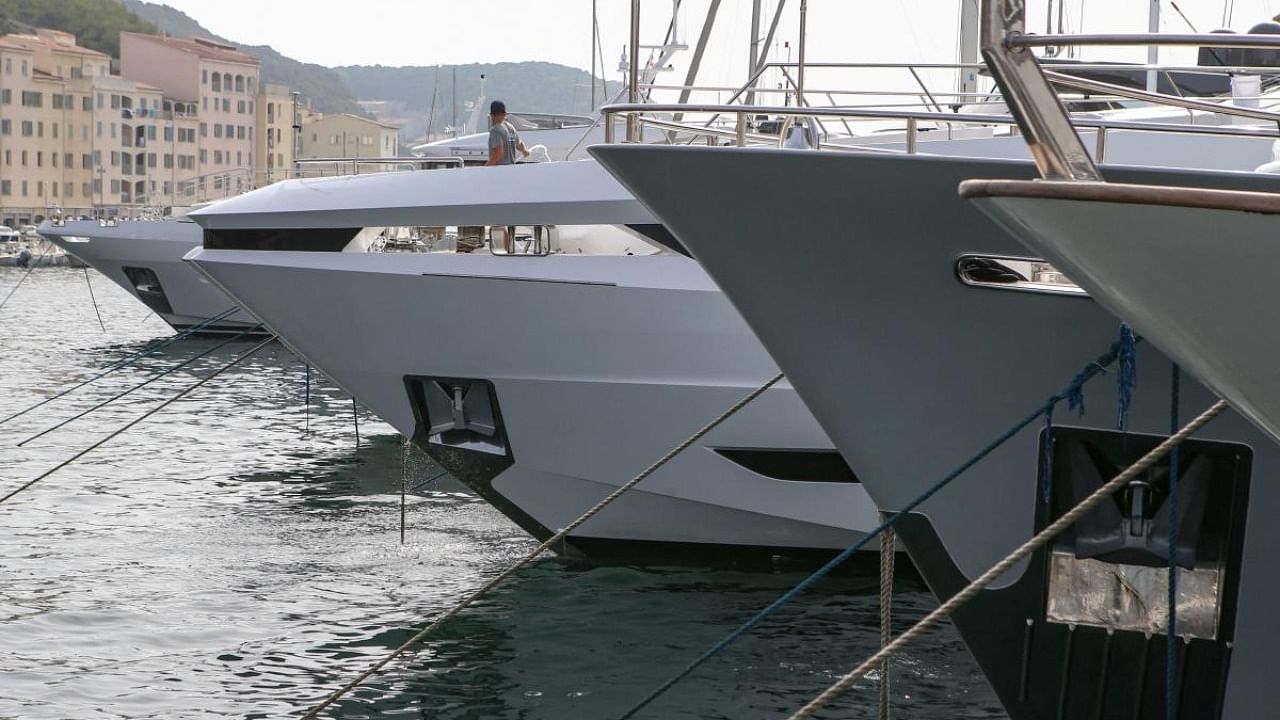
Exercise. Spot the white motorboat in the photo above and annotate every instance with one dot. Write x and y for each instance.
(545, 381)
(145, 258)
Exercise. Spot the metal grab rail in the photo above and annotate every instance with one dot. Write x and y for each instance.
(1161, 98)
(743, 112)
(1020, 40)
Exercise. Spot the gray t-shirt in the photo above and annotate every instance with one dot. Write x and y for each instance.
(504, 135)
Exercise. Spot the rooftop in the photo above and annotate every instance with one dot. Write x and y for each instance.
(204, 47)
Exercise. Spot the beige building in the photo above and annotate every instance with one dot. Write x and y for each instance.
(347, 136)
(278, 113)
(221, 83)
(47, 125)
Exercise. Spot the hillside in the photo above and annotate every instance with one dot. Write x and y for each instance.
(321, 85)
(97, 23)
(528, 86)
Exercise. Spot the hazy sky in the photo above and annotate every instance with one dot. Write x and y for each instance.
(428, 32)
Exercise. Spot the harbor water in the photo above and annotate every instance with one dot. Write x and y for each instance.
(238, 556)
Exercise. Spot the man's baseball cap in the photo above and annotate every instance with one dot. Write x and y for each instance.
(497, 106)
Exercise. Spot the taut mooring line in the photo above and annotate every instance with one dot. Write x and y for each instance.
(144, 416)
(126, 361)
(94, 300)
(23, 279)
(547, 544)
(1021, 553)
(141, 385)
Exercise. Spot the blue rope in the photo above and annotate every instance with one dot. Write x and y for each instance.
(1073, 393)
(1127, 375)
(1171, 649)
(1046, 455)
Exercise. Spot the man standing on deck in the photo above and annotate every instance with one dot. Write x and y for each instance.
(504, 141)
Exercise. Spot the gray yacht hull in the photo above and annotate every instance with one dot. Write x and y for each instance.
(594, 367)
(845, 266)
(145, 258)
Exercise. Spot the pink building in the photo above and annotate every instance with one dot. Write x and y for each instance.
(221, 84)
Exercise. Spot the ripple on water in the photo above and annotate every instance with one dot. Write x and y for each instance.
(217, 561)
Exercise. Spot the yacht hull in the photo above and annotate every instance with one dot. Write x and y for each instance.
(1187, 278)
(145, 258)
(849, 277)
(598, 365)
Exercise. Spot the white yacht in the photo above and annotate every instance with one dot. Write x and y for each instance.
(546, 378)
(145, 258)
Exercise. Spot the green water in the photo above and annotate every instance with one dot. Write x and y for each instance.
(220, 561)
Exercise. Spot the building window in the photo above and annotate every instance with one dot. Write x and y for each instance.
(115, 102)
(100, 101)
(31, 98)
(6, 126)
(168, 162)
(239, 132)
(86, 103)
(204, 130)
(168, 134)
(217, 130)
(204, 103)
(204, 76)
(239, 83)
(68, 161)
(6, 187)
(226, 105)
(28, 128)
(24, 74)
(217, 157)
(151, 132)
(226, 82)
(6, 96)
(217, 82)
(240, 106)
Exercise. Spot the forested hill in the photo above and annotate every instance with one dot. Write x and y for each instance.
(97, 23)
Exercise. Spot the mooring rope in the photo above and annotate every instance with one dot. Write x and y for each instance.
(23, 279)
(131, 423)
(886, 603)
(547, 544)
(1073, 393)
(1041, 538)
(139, 386)
(94, 300)
(1171, 641)
(151, 348)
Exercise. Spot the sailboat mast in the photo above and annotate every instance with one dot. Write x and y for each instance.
(1153, 50)
(967, 79)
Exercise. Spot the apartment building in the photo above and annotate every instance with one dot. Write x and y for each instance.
(342, 135)
(278, 112)
(76, 137)
(221, 83)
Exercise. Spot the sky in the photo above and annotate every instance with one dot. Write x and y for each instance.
(430, 32)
